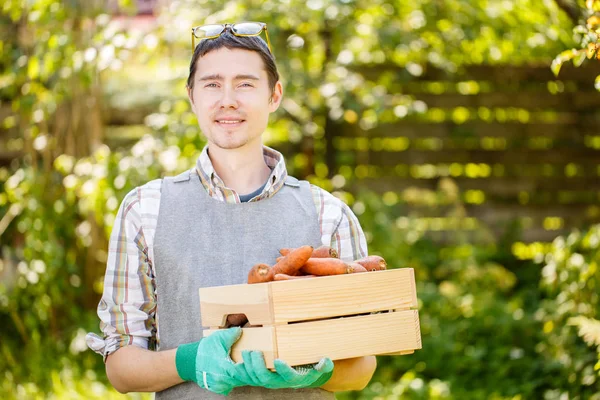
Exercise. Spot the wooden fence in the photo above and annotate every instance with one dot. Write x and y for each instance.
(520, 144)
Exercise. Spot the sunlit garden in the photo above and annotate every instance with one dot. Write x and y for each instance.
(464, 135)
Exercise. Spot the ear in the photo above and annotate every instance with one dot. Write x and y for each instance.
(276, 97)
(190, 95)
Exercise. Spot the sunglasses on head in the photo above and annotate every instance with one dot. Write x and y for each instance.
(238, 29)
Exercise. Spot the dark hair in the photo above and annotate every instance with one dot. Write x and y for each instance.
(230, 41)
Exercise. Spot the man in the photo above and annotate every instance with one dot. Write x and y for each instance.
(207, 227)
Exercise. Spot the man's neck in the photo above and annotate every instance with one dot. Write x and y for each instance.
(243, 170)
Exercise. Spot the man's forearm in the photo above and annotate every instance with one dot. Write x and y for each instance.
(351, 374)
(133, 369)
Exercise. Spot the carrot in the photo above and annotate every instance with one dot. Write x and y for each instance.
(319, 252)
(285, 277)
(372, 263)
(236, 320)
(326, 266)
(357, 267)
(292, 262)
(325, 252)
(260, 273)
(278, 259)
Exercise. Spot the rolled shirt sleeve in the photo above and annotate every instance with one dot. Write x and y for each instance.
(348, 237)
(127, 308)
(340, 227)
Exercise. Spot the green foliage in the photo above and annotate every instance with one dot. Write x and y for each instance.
(322, 46)
(488, 332)
(588, 32)
(51, 230)
(65, 385)
(570, 279)
(487, 329)
(465, 298)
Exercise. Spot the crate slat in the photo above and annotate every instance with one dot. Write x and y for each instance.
(340, 338)
(343, 295)
(217, 302)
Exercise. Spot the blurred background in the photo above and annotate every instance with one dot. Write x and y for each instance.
(464, 135)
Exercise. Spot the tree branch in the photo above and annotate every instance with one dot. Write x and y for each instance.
(571, 8)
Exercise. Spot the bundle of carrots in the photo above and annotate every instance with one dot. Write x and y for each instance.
(306, 262)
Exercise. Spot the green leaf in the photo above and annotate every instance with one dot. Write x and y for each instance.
(579, 58)
(556, 65)
(561, 58)
(589, 329)
(597, 83)
(33, 69)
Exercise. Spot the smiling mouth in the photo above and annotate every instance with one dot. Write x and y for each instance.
(230, 122)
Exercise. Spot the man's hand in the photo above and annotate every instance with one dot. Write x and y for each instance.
(351, 374)
(207, 362)
(284, 376)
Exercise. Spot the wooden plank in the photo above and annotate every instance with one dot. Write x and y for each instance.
(492, 211)
(514, 156)
(469, 143)
(527, 100)
(6, 157)
(475, 129)
(500, 213)
(219, 301)
(308, 342)
(513, 186)
(532, 235)
(528, 235)
(257, 338)
(398, 174)
(396, 333)
(500, 75)
(330, 296)
(413, 288)
(399, 353)
(493, 186)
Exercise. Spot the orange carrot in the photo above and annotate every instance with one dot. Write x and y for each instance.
(325, 252)
(285, 277)
(372, 263)
(319, 252)
(278, 259)
(357, 267)
(292, 262)
(260, 273)
(326, 266)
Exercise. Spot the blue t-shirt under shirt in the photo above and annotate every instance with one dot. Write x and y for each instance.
(246, 197)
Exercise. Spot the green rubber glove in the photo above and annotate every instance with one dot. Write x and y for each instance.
(207, 362)
(285, 377)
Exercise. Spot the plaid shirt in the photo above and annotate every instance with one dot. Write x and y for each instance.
(127, 309)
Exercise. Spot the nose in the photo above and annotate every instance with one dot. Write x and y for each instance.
(228, 98)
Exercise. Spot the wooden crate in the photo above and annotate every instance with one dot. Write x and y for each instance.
(301, 321)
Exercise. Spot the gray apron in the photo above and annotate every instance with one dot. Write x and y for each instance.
(201, 242)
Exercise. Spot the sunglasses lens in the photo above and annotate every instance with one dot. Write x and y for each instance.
(247, 28)
(207, 31)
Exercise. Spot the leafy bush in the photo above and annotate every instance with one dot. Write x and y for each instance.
(489, 330)
(569, 314)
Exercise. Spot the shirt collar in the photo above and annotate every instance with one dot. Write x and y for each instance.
(214, 184)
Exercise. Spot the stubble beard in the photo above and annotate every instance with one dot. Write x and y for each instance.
(229, 141)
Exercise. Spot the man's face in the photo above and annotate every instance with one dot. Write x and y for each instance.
(231, 97)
